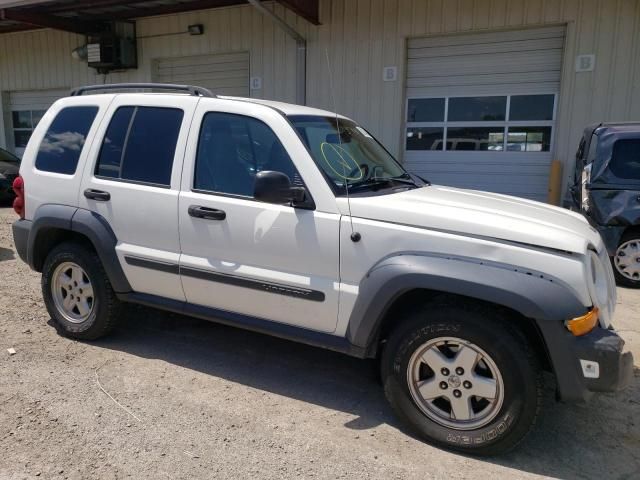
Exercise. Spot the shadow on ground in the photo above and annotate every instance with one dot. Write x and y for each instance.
(6, 254)
(568, 442)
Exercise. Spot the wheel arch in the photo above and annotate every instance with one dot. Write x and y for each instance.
(54, 224)
(529, 297)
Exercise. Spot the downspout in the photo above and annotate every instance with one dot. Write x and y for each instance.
(301, 50)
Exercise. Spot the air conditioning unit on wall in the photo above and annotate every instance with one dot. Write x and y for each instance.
(113, 48)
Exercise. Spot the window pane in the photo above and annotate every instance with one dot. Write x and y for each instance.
(477, 109)
(475, 138)
(62, 144)
(625, 159)
(529, 139)
(232, 149)
(531, 107)
(425, 110)
(151, 145)
(424, 138)
(22, 119)
(110, 157)
(21, 138)
(36, 116)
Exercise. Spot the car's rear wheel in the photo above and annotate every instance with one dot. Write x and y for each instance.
(626, 261)
(462, 377)
(77, 292)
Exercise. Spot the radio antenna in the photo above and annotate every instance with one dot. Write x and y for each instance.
(355, 236)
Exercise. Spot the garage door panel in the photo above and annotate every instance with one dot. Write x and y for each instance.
(489, 37)
(205, 68)
(523, 62)
(500, 62)
(507, 79)
(225, 74)
(494, 47)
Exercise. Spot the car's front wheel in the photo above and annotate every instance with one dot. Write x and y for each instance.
(626, 261)
(77, 292)
(462, 378)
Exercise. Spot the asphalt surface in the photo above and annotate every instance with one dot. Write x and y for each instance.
(200, 400)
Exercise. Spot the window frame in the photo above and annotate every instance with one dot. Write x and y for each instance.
(505, 124)
(126, 139)
(192, 180)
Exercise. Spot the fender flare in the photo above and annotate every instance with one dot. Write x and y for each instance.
(87, 223)
(532, 294)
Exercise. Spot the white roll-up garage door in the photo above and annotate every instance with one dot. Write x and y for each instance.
(223, 74)
(25, 110)
(481, 109)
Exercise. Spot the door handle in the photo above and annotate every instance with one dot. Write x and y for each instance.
(97, 195)
(206, 213)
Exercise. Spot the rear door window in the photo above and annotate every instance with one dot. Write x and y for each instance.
(625, 159)
(140, 145)
(62, 144)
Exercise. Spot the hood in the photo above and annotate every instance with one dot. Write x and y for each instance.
(482, 214)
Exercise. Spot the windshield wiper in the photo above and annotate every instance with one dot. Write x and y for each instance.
(375, 183)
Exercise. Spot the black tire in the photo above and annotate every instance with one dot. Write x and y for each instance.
(106, 307)
(507, 347)
(621, 279)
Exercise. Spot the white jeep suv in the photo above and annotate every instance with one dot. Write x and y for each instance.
(296, 222)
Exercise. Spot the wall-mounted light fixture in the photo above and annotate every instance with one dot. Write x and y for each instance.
(197, 29)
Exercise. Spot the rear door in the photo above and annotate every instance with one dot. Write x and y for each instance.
(132, 179)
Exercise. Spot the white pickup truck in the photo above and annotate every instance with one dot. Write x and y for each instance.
(296, 222)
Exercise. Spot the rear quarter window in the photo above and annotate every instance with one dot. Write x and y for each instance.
(63, 143)
(625, 159)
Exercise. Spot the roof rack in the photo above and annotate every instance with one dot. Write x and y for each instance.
(192, 90)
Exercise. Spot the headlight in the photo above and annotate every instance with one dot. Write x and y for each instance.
(597, 281)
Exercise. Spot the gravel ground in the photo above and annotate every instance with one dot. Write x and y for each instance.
(205, 401)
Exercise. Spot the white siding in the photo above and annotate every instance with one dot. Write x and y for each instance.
(362, 36)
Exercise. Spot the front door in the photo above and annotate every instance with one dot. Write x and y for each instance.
(274, 262)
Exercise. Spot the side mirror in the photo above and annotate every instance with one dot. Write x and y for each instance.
(275, 187)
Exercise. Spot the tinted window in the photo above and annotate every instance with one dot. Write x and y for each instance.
(140, 144)
(625, 159)
(477, 109)
(62, 144)
(232, 149)
(531, 107)
(425, 110)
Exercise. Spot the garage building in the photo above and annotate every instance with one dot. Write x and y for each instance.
(482, 94)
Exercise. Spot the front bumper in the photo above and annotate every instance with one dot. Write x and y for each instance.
(595, 362)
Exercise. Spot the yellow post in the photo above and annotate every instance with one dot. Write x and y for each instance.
(555, 182)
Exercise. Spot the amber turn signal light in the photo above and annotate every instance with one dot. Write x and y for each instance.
(584, 324)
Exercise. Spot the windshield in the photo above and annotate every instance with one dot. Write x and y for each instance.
(348, 155)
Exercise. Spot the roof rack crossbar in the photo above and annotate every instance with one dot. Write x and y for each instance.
(191, 89)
